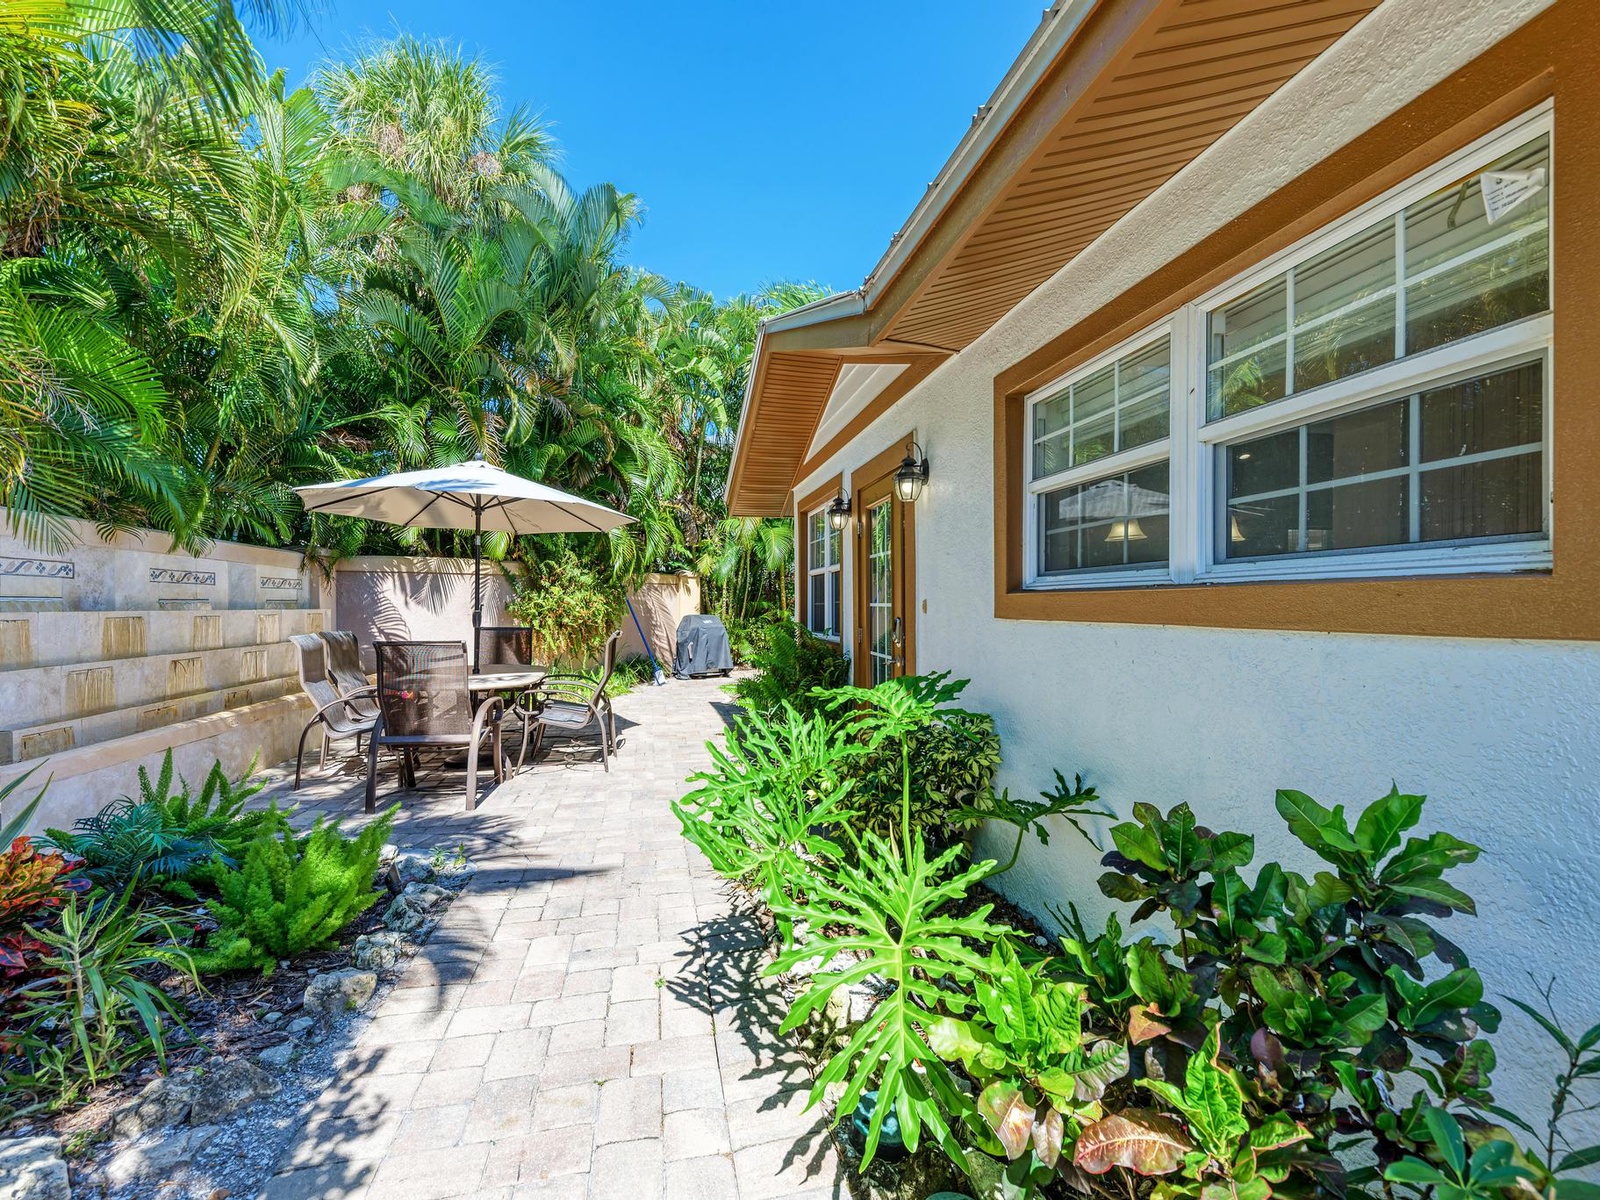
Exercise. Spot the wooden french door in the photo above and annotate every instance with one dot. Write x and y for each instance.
(885, 636)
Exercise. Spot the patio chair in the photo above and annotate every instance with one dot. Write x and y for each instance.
(336, 716)
(504, 646)
(344, 668)
(572, 703)
(424, 705)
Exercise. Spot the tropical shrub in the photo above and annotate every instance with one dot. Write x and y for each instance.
(165, 838)
(893, 915)
(570, 609)
(952, 755)
(29, 883)
(1498, 1166)
(293, 894)
(762, 813)
(789, 667)
(90, 1007)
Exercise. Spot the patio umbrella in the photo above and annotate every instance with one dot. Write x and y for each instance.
(472, 495)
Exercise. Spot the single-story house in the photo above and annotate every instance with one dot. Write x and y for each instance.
(1252, 349)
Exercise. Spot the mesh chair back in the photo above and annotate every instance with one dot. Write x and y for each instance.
(608, 663)
(344, 660)
(311, 658)
(504, 646)
(422, 689)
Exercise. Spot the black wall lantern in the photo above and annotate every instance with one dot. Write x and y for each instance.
(912, 474)
(839, 512)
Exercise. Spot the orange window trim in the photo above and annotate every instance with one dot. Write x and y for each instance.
(1555, 55)
(803, 508)
(870, 473)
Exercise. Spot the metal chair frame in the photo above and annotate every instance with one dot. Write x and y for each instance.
(336, 715)
(573, 703)
(393, 702)
(344, 668)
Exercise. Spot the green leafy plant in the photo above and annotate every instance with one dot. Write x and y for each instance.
(887, 915)
(761, 813)
(569, 608)
(1232, 1155)
(1497, 1167)
(791, 662)
(1042, 1078)
(1488, 1174)
(167, 837)
(293, 894)
(93, 1008)
(17, 823)
(952, 755)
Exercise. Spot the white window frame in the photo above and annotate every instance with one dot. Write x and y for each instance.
(1118, 463)
(834, 567)
(1193, 446)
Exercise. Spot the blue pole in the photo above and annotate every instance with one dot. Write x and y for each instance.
(660, 679)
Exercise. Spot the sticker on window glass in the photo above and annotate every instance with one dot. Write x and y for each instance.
(1505, 191)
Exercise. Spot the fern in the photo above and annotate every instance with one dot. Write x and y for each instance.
(168, 839)
(292, 895)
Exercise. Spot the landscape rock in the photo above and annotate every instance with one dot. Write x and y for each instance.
(410, 867)
(300, 1024)
(165, 1100)
(159, 1160)
(279, 1056)
(379, 951)
(272, 1018)
(413, 908)
(32, 1168)
(227, 1088)
(455, 872)
(335, 992)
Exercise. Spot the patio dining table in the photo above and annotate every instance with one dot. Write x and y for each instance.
(521, 683)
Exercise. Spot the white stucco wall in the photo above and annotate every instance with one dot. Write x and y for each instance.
(1503, 736)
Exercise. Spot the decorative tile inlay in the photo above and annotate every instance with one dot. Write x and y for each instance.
(122, 637)
(46, 741)
(207, 633)
(237, 698)
(281, 583)
(90, 690)
(16, 644)
(155, 718)
(168, 575)
(315, 622)
(184, 675)
(38, 568)
(253, 664)
(182, 605)
(269, 626)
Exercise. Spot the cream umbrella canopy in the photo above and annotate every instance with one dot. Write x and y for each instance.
(472, 495)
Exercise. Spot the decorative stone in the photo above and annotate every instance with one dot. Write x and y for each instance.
(272, 1018)
(410, 867)
(455, 872)
(279, 1056)
(299, 1025)
(850, 1006)
(32, 1168)
(412, 909)
(227, 1088)
(164, 1101)
(335, 992)
(160, 1159)
(379, 951)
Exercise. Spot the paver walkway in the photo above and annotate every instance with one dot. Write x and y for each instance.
(588, 1019)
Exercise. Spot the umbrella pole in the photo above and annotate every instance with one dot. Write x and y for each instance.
(477, 583)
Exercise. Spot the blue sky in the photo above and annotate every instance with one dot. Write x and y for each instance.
(766, 140)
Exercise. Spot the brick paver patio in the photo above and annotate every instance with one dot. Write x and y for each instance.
(588, 1020)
